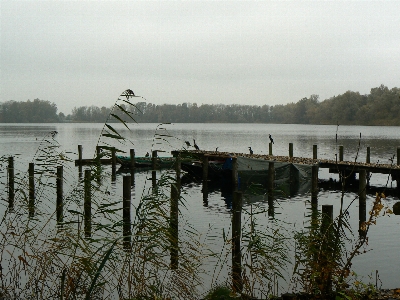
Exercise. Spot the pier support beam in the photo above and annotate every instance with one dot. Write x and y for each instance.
(11, 190)
(87, 205)
(126, 211)
(174, 226)
(235, 176)
(237, 282)
(291, 150)
(154, 168)
(362, 198)
(270, 192)
(59, 202)
(31, 205)
(270, 149)
(315, 151)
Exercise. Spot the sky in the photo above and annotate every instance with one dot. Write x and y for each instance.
(83, 53)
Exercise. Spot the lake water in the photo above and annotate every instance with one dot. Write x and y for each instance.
(384, 241)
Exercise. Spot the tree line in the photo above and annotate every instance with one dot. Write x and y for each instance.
(380, 107)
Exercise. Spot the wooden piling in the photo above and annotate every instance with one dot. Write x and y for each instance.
(205, 168)
(178, 171)
(132, 156)
(315, 151)
(98, 151)
(314, 194)
(291, 150)
(87, 205)
(173, 225)
(11, 182)
(126, 211)
(326, 247)
(154, 167)
(113, 165)
(368, 160)
(80, 154)
(270, 149)
(235, 177)
(237, 282)
(270, 191)
(31, 204)
(341, 153)
(60, 193)
(362, 198)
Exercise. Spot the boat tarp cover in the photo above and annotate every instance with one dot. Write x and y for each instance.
(296, 177)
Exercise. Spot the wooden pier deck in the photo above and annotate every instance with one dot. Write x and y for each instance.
(333, 165)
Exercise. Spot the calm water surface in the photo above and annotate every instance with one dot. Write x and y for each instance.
(384, 243)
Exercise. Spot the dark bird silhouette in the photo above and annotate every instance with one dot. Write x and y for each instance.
(195, 145)
(216, 149)
(271, 139)
(251, 151)
(147, 154)
(187, 143)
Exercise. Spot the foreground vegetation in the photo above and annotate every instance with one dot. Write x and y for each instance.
(380, 107)
(44, 259)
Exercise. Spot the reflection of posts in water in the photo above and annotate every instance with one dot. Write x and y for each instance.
(87, 205)
(31, 204)
(235, 180)
(314, 193)
(113, 165)
(237, 282)
(126, 211)
(173, 226)
(59, 201)
(271, 178)
(11, 191)
(362, 198)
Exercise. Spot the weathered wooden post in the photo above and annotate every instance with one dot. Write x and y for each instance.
(173, 225)
(113, 165)
(80, 154)
(314, 194)
(87, 205)
(271, 178)
(341, 153)
(291, 150)
(327, 232)
(11, 181)
(315, 151)
(235, 178)
(60, 193)
(154, 168)
(31, 205)
(270, 149)
(398, 156)
(368, 160)
(132, 157)
(362, 198)
(178, 165)
(126, 211)
(98, 151)
(132, 169)
(237, 282)
(205, 180)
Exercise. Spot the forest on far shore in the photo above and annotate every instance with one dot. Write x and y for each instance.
(380, 107)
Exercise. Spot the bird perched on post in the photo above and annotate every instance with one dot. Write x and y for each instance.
(147, 154)
(187, 143)
(251, 151)
(271, 139)
(195, 145)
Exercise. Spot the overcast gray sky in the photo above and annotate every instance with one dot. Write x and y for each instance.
(77, 53)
